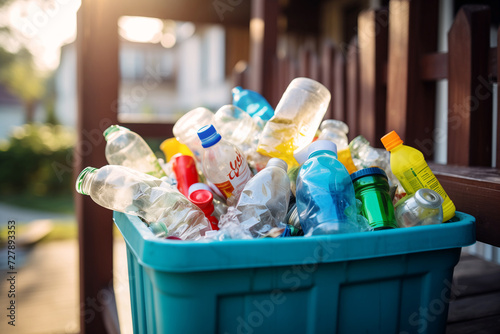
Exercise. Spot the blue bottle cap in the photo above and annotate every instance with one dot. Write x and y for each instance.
(208, 136)
(367, 172)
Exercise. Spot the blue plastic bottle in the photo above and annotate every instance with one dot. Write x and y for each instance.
(253, 103)
(325, 194)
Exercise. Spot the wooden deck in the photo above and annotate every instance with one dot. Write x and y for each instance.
(48, 292)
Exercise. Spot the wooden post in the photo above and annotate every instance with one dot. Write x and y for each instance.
(352, 88)
(469, 89)
(339, 88)
(410, 100)
(327, 73)
(498, 101)
(263, 39)
(98, 78)
(372, 40)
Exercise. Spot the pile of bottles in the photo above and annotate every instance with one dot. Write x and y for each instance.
(251, 171)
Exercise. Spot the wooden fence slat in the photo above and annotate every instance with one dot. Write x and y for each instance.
(327, 73)
(372, 40)
(411, 101)
(469, 89)
(339, 88)
(352, 88)
(98, 82)
(263, 40)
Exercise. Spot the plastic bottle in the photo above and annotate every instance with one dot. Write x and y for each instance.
(296, 119)
(411, 169)
(172, 147)
(127, 148)
(223, 164)
(253, 103)
(123, 189)
(425, 207)
(219, 203)
(186, 173)
(372, 189)
(345, 158)
(237, 127)
(264, 201)
(203, 199)
(365, 156)
(186, 127)
(335, 131)
(325, 194)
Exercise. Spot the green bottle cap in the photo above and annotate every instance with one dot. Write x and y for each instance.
(81, 178)
(111, 129)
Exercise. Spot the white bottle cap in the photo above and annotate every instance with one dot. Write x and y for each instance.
(322, 145)
(198, 186)
(301, 154)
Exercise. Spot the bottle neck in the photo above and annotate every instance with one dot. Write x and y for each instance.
(320, 152)
(85, 179)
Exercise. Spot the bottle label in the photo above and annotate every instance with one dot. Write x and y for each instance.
(415, 179)
(238, 176)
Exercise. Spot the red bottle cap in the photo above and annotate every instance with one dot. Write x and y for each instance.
(203, 199)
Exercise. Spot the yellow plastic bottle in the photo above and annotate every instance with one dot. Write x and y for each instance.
(345, 157)
(411, 169)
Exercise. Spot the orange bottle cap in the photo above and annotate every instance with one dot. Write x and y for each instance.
(391, 140)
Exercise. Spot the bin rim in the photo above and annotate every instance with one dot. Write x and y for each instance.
(193, 256)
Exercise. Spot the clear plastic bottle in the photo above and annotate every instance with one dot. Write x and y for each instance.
(325, 195)
(411, 169)
(422, 208)
(223, 164)
(237, 127)
(366, 156)
(335, 131)
(264, 201)
(253, 103)
(166, 211)
(296, 120)
(127, 148)
(186, 127)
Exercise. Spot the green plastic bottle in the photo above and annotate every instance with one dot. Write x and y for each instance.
(412, 171)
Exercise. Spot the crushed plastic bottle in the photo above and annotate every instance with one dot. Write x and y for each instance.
(264, 201)
(186, 127)
(295, 121)
(253, 103)
(224, 164)
(365, 156)
(166, 211)
(127, 148)
(325, 194)
(422, 208)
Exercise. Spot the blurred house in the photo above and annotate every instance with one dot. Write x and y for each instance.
(161, 79)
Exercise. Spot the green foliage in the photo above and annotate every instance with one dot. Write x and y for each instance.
(22, 79)
(31, 160)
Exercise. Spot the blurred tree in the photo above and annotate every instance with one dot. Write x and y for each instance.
(20, 77)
